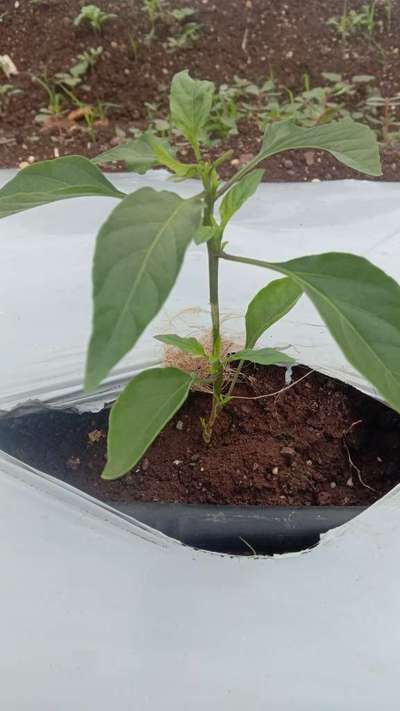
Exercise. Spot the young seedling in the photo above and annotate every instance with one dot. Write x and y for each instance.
(92, 114)
(133, 47)
(154, 10)
(7, 90)
(389, 13)
(383, 112)
(55, 100)
(351, 21)
(188, 32)
(74, 76)
(141, 247)
(185, 38)
(94, 16)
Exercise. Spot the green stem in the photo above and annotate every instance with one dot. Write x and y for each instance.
(244, 260)
(217, 368)
(214, 300)
(234, 381)
(213, 250)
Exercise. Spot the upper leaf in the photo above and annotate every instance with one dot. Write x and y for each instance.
(238, 194)
(137, 154)
(188, 344)
(165, 156)
(190, 104)
(139, 253)
(53, 180)
(360, 304)
(268, 306)
(206, 232)
(262, 356)
(351, 143)
(140, 413)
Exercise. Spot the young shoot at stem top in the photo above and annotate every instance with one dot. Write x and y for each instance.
(140, 249)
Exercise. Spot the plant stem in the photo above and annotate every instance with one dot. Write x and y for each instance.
(213, 258)
(234, 381)
(244, 260)
(217, 368)
(213, 250)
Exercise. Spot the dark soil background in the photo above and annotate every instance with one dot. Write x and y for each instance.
(288, 38)
(319, 442)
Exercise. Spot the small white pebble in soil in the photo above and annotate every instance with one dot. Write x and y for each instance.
(315, 180)
(179, 425)
(145, 464)
(309, 462)
(275, 470)
(73, 462)
(288, 375)
(31, 159)
(349, 481)
(56, 152)
(23, 164)
(379, 459)
(177, 462)
(333, 484)
(289, 54)
(235, 161)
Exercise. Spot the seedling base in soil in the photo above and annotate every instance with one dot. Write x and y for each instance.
(319, 442)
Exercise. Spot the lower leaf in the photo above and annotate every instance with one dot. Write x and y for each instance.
(262, 356)
(188, 345)
(140, 413)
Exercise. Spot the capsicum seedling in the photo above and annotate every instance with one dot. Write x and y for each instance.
(141, 247)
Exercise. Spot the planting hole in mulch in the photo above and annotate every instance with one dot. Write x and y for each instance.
(319, 442)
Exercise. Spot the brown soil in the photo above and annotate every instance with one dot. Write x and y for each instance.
(319, 442)
(289, 38)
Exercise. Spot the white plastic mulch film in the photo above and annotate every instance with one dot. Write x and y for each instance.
(99, 611)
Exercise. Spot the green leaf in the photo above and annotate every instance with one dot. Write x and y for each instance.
(137, 154)
(190, 104)
(351, 143)
(188, 345)
(140, 413)
(360, 304)
(268, 306)
(139, 253)
(262, 356)
(238, 194)
(163, 152)
(53, 180)
(206, 232)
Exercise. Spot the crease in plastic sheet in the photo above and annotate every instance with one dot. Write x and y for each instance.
(96, 606)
